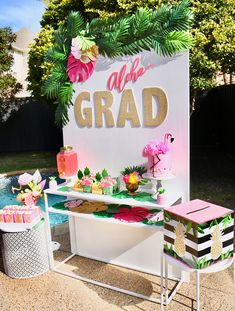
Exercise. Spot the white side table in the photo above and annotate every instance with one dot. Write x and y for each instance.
(214, 268)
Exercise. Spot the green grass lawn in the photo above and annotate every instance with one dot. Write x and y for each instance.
(213, 176)
(10, 162)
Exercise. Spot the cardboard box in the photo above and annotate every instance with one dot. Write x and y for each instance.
(199, 233)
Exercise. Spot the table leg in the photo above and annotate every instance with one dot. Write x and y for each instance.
(198, 289)
(162, 290)
(48, 234)
(166, 281)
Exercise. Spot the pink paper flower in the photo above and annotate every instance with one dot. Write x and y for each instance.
(81, 63)
(134, 214)
(42, 184)
(72, 204)
(25, 179)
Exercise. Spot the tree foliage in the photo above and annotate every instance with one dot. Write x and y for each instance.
(9, 87)
(165, 31)
(213, 32)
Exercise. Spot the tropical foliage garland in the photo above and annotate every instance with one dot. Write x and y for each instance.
(78, 44)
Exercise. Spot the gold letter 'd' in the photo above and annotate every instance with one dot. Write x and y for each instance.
(162, 106)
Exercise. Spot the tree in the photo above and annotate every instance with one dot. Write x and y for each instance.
(9, 87)
(213, 32)
(165, 31)
(213, 52)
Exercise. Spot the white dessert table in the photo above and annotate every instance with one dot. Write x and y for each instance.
(136, 239)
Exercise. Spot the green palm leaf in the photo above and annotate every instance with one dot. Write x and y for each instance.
(51, 88)
(75, 24)
(65, 94)
(53, 55)
(61, 115)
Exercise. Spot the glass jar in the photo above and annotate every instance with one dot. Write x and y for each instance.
(67, 162)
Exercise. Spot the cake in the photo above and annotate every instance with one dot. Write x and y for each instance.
(159, 157)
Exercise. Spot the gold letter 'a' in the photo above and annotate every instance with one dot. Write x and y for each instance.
(162, 106)
(128, 110)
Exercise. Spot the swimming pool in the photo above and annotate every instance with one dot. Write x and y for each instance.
(8, 198)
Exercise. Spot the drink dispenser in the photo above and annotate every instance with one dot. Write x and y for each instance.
(67, 162)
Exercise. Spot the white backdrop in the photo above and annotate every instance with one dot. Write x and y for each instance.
(114, 148)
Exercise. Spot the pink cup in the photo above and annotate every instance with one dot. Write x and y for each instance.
(8, 216)
(28, 216)
(2, 216)
(18, 217)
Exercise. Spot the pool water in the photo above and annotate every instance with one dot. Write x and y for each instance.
(8, 198)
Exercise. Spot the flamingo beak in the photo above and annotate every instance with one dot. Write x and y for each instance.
(172, 139)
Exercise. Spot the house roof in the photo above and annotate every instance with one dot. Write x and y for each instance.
(24, 37)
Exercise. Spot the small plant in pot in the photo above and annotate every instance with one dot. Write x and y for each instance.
(87, 180)
(132, 176)
(78, 185)
(161, 196)
(107, 185)
(52, 182)
(96, 186)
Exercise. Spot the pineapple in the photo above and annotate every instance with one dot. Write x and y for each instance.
(179, 244)
(216, 247)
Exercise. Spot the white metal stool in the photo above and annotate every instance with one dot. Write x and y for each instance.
(214, 268)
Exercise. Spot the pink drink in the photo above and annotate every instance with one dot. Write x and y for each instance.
(67, 162)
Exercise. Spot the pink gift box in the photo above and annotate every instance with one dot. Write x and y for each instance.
(18, 217)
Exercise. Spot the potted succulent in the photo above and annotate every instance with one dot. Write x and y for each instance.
(107, 183)
(161, 196)
(87, 180)
(52, 183)
(132, 176)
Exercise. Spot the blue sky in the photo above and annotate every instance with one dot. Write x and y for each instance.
(21, 13)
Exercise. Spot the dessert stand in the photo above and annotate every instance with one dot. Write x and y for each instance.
(157, 182)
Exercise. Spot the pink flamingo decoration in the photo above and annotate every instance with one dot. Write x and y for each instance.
(167, 137)
(155, 149)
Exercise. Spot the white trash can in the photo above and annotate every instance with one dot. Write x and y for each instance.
(25, 253)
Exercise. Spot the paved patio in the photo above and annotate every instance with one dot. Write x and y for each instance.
(56, 292)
